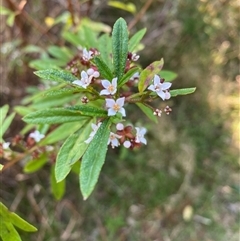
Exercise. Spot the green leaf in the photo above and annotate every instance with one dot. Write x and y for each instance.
(22, 110)
(119, 47)
(61, 132)
(44, 102)
(105, 48)
(127, 76)
(90, 37)
(21, 223)
(7, 122)
(93, 159)
(148, 112)
(8, 232)
(185, 91)
(46, 63)
(54, 116)
(11, 19)
(3, 113)
(103, 68)
(74, 39)
(148, 73)
(56, 75)
(7, 218)
(135, 39)
(1, 167)
(62, 53)
(57, 188)
(130, 7)
(168, 75)
(55, 93)
(71, 151)
(87, 110)
(36, 164)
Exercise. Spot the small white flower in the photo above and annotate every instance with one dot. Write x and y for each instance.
(141, 131)
(110, 88)
(85, 81)
(115, 106)
(6, 145)
(93, 73)
(160, 88)
(113, 139)
(37, 136)
(87, 55)
(135, 57)
(92, 134)
(127, 144)
(119, 126)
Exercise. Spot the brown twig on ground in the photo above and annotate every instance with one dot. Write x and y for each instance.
(140, 14)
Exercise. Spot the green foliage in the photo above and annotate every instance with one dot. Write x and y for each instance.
(130, 7)
(185, 91)
(5, 122)
(36, 164)
(119, 47)
(8, 221)
(135, 39)
(71, 151)
(148, 73)
(103, 68)
(55, 75)
(93, 159)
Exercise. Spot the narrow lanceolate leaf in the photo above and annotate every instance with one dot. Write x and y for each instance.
(3, 113)
(10, 217)
(185, 91)
(168, 75)
(127, 76)
(7, 122)
(103, 68)
(56, 75)
(148, 112)
(8, 232)
(57, 188)
(53, 116)
(135, 39)
(105, 48)
(59, 115)
(93, 159)
(36, 164)
(61, 132)
(148, 73)
(21, 223)
(71, 151)
(119, 47)
(88, 110)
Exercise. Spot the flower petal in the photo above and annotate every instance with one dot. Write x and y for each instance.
(152, 88)
(105, 92)
(114, 82)
(166, 85)
(120, 101)
(122, 111)
(156, 80)
(110, 103)
(111, 112)
(105, 83)
(161, 94)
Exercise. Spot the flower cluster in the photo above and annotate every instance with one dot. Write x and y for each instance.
(117, 98)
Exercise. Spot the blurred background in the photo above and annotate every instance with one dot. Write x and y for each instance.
(184, 185)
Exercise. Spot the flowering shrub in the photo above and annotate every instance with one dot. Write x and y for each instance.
(93, 95)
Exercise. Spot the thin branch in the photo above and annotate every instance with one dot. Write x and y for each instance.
(140, 14)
